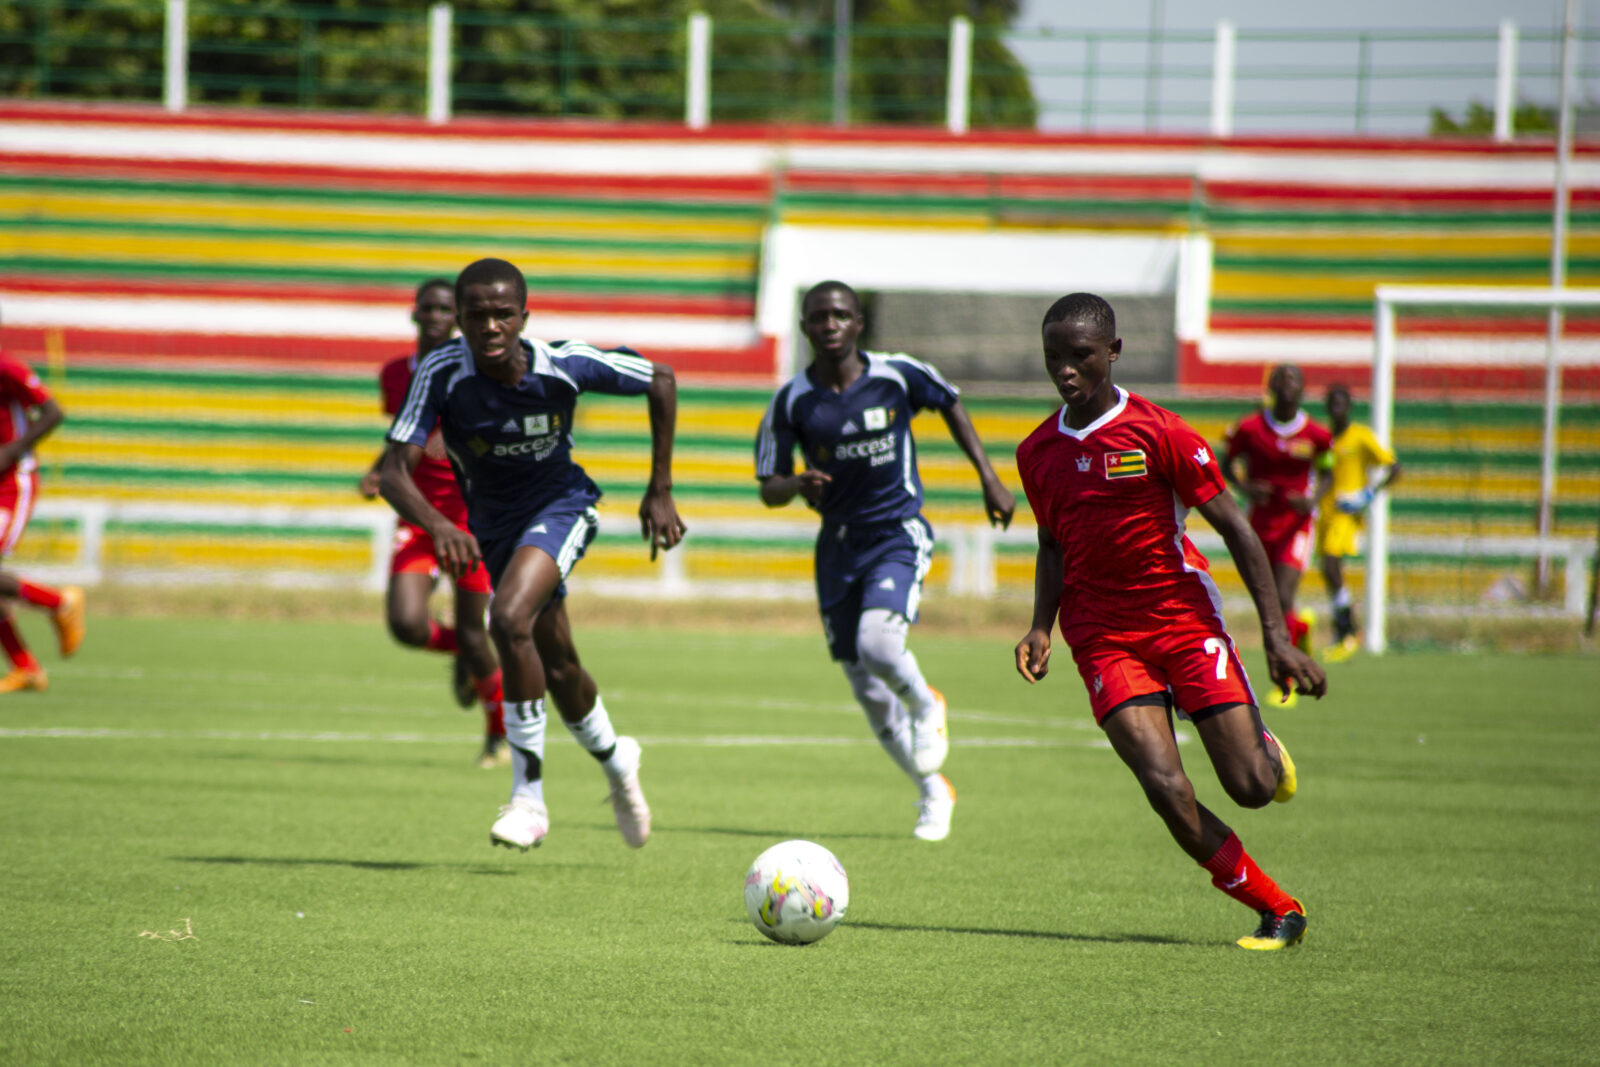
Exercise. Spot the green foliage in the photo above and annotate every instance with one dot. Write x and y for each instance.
(613, 59)
(1479, 121)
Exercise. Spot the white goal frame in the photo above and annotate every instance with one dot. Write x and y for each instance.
(1387, 299)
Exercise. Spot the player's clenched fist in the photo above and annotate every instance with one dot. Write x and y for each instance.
(1033, 655)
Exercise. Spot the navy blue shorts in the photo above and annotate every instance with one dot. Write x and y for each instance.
(565, 535)
(861, 566)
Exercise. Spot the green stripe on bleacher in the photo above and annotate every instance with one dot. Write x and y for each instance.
(692, 204)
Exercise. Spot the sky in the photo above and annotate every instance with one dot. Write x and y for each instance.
(1283, 84)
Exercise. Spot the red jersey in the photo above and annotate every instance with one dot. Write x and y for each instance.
(20, 390)
(433, 475)
(1115, 495)
(1282, 454)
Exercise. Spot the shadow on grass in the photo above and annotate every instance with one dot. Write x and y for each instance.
(1048, 935)
(359, 865)
(779, 835)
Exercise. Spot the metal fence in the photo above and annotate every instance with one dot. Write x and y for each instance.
(411, 60)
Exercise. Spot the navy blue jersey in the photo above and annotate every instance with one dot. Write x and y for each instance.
(860, 438)
(511, 446)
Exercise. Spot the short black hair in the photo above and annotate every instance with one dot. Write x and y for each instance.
(828, 287)
(432, 283)
(1083, 307)
(487, 272)
(1340, 389)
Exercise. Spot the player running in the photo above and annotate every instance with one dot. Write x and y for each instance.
(414, 564)
(29, 415)
(1280, 447)
(850, 414)
(1111, 478)
(1357, 469)
(504, 405)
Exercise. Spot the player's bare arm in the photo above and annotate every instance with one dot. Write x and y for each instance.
(42, 421)
(779, 489)
(370, 480)
(455, 548)
(1257, 492)
(1287, 664)
(658, 515)
(998, 503)
(1033, 651)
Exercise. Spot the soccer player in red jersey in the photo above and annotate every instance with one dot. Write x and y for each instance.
(29, 414)
(1110, 478)
(1280, 447)
(414, 566)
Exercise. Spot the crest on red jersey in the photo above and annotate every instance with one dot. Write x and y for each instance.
(1125, 464)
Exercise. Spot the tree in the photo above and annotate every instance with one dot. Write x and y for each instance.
(772, 61)
(1479, 121)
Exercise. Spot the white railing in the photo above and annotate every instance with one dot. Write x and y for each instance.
(971, 550)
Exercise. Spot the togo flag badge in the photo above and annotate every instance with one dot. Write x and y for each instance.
(1125, 464)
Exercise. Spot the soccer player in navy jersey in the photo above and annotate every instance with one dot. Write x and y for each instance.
(504, 405)
(849, 413)
(1111, 478)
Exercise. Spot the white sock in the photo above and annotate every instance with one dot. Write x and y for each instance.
(890, 723)
(1341, 599)
(594, 732)
(881, 644)
(525, 735)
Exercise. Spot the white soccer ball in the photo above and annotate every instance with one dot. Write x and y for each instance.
(796, 892)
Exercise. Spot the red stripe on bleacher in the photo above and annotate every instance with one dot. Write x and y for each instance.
(399, 295)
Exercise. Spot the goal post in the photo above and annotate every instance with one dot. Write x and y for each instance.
(1390, 298)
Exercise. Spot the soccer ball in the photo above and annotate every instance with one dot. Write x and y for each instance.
(796, 892)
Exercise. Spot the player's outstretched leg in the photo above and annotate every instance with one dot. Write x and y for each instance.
(881, 649)
(1141, 736)
(26, 672)
(891, 724)
(528, 581)
(524, 821)
(578, 699)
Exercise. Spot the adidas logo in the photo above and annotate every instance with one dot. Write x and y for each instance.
(849, 427)
(539, 528)
(887, 583)
(511, 427)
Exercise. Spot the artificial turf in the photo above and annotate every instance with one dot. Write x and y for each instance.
(301, 798)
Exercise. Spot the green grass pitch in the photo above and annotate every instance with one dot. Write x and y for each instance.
(301, 798)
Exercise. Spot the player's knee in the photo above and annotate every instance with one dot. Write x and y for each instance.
(409, 631)
(1252, 786)
(507, 625)
(880, 643)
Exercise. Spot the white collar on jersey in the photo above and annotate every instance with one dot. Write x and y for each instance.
(1078, 435)
(1284, 429)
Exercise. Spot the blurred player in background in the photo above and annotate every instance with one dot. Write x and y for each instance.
(1279, 447)
(1111, 477)
(850, 414)
(30, 413)
(504, 405)
(414, 565)
(1356, 469)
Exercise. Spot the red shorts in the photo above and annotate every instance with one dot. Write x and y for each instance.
(17, 495)
(1197, 662)
(413, 553)
(1287, 538)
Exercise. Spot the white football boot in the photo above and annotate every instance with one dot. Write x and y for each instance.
(627, 799)
(522, 824)
(933, 814)
(930, 737)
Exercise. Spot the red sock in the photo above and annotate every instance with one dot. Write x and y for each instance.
(1236, 874)
(11, 641)
(1297, 629)
(440, 638)
(489, 688)
(39, 595)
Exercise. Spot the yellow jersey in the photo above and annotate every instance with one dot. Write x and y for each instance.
(1355, 452)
